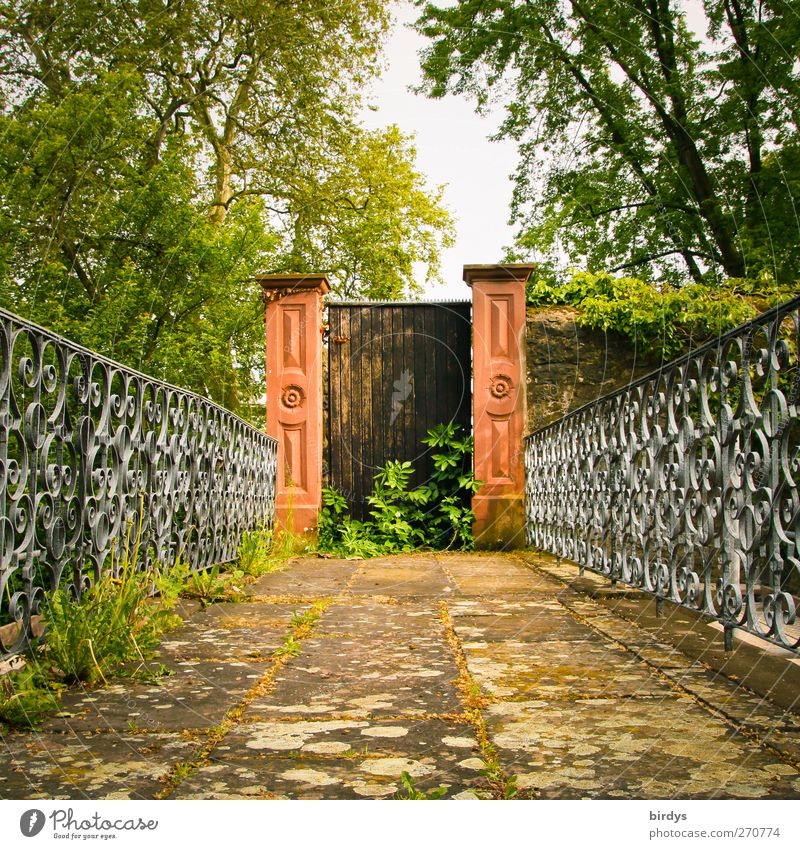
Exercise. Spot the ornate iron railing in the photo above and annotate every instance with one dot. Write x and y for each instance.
(684, 484)
(93, 453)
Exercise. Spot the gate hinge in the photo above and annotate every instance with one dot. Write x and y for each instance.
(340, 339)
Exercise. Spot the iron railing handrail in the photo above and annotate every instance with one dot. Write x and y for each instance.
(713, 344)
(89, 448)
(686, 482)
(78, 348)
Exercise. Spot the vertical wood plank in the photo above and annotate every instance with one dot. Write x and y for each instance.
(378, 411)
(345, 402)
(333, 423)
(367, 446)
(422, 391)
(361, 435)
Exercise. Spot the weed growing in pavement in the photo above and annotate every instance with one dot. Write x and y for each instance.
(26, 697)
(112, 625)
(290, 646)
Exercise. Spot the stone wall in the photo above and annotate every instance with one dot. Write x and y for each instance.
(569, 366)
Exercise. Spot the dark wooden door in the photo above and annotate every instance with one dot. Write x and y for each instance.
(394, 371)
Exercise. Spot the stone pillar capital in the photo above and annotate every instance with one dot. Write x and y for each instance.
(513, 273)
(281, 285)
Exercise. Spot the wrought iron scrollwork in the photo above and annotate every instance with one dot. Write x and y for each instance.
(684, 484)
(92, 451)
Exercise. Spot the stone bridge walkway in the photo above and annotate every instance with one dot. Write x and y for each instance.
(474, 672)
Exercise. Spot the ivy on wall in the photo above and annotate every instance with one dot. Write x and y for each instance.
(662, 321)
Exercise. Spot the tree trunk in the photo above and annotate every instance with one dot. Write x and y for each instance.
(223, 191)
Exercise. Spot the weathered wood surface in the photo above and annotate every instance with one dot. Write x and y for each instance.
(394, 371)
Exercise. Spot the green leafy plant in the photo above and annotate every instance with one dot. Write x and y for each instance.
(662, 320)
(26, 697)
(306, 617)
(410, 791)
(501, 785)
(451, 488)
(331, 516)
(209, 586)
(255, 557)
(113, 624)
(398, 515)
(290, 646)
(435, 515)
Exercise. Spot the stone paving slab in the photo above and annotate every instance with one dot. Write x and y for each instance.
(194, 641)
(340, 759)
(337, 737)
(308, 778)
(311, 577)
(372, 621)
(89, 766)
(558, 669)
(735, 702)
(539, 623)
(757, 665)
(411, 661)
(628, 748)
(389, 676)
(493, 576)
(247, 614)
(197, 697)
(401, 577)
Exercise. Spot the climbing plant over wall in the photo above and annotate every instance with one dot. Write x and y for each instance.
(435, 515)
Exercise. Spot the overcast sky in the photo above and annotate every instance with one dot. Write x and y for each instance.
(452, 149)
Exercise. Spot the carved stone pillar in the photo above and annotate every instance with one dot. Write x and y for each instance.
(294, 393)
(498, 401)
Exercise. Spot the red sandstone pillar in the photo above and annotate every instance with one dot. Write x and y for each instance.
(498, 401)
(294, 393)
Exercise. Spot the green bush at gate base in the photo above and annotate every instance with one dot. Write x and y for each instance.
(435, 515)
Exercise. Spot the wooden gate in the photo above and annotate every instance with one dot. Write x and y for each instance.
(394, 371)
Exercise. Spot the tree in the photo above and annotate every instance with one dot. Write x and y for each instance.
(645, 145)
(368, 222)
(155, 155)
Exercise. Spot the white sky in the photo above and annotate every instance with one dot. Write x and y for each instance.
(452, 149)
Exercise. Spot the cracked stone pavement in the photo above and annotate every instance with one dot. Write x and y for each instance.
(439, 666)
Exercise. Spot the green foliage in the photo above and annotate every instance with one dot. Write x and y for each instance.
(290, 646)
(331, 518)
(371, 220)
(656, 137)
(436, 514)
(112, 625)
(662, 321)
(153, 159)
(410, 791)
(450, 489)
(398, 512)
(209, 586)
(26, 697)
(301, 620)
(262, 551)
(501, 786)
